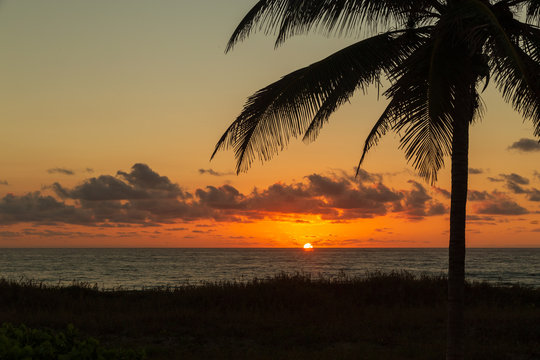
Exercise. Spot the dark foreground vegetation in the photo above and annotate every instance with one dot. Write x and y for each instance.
(383, 316)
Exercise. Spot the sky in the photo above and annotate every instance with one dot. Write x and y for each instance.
(110, 111)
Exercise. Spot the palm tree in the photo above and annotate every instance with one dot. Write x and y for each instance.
(438, 56)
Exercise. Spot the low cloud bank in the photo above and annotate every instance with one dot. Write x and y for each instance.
(144, 197)
(525, 145)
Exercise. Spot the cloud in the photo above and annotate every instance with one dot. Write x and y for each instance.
(534, 195)
(515, 188)
(61, 171)
(525, 145)
(142, 183)
(10, 234)
(3, 182)
(331, 197)
(499, 204)
(416, 201)
(473, 171)
(57, 233)
(514, 182)
(445, 193)
(518, 179)
(480, 218)
(365, 176)
(142, 197)
(141, 176)
(102, 188)
(36, 208)
(437, 208)
(224, 197)
(475, 195)
(214, 173)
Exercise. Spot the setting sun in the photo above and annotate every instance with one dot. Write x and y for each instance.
(308, 246)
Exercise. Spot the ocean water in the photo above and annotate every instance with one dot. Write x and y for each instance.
(149, 268)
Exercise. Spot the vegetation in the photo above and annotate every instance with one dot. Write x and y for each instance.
(437, 55)
(381, 316)
(22, 343)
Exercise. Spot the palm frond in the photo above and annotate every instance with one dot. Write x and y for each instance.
(381, 127)
(512, 50)
(304, 99)
(532, 9)
(515, 66)
(422, 107)
(287, 18)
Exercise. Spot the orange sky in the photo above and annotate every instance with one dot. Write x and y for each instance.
(110, 111)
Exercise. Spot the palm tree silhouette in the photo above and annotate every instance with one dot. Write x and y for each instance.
(438, 55)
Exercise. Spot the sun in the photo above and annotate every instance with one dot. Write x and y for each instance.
(308, 246)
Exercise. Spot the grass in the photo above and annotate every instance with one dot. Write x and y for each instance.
(381, 316)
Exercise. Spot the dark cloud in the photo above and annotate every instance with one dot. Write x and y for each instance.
(323, 185)
(526, 145)
(473, 171)
(36, 208)
(518, 179)
(142, 197)
(214, 173)
(61, 171)
(331, 197)
(515, 188)
(89, 170)
(436, 208)
(3, 182)
(224, 197)
(58, 233)
(102, 188)
(534, 195)
(514, 182)
(499, 204)
(141, 176)
(445, 193)
(10, 234)
(364, 176)
(475, 195)
(48, 233)
(416, 201)
(492, 179)
(480, 218)
(142, 183)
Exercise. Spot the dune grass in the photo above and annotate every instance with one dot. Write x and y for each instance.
(380, 316)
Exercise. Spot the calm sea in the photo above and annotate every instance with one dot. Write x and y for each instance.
(144, 268)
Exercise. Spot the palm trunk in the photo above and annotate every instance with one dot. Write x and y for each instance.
(456, 250)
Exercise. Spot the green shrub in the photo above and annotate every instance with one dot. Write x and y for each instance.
(23, 343)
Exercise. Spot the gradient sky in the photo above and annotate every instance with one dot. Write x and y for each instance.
(110, 111)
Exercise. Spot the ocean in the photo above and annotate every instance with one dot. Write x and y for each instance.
(152, 268)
